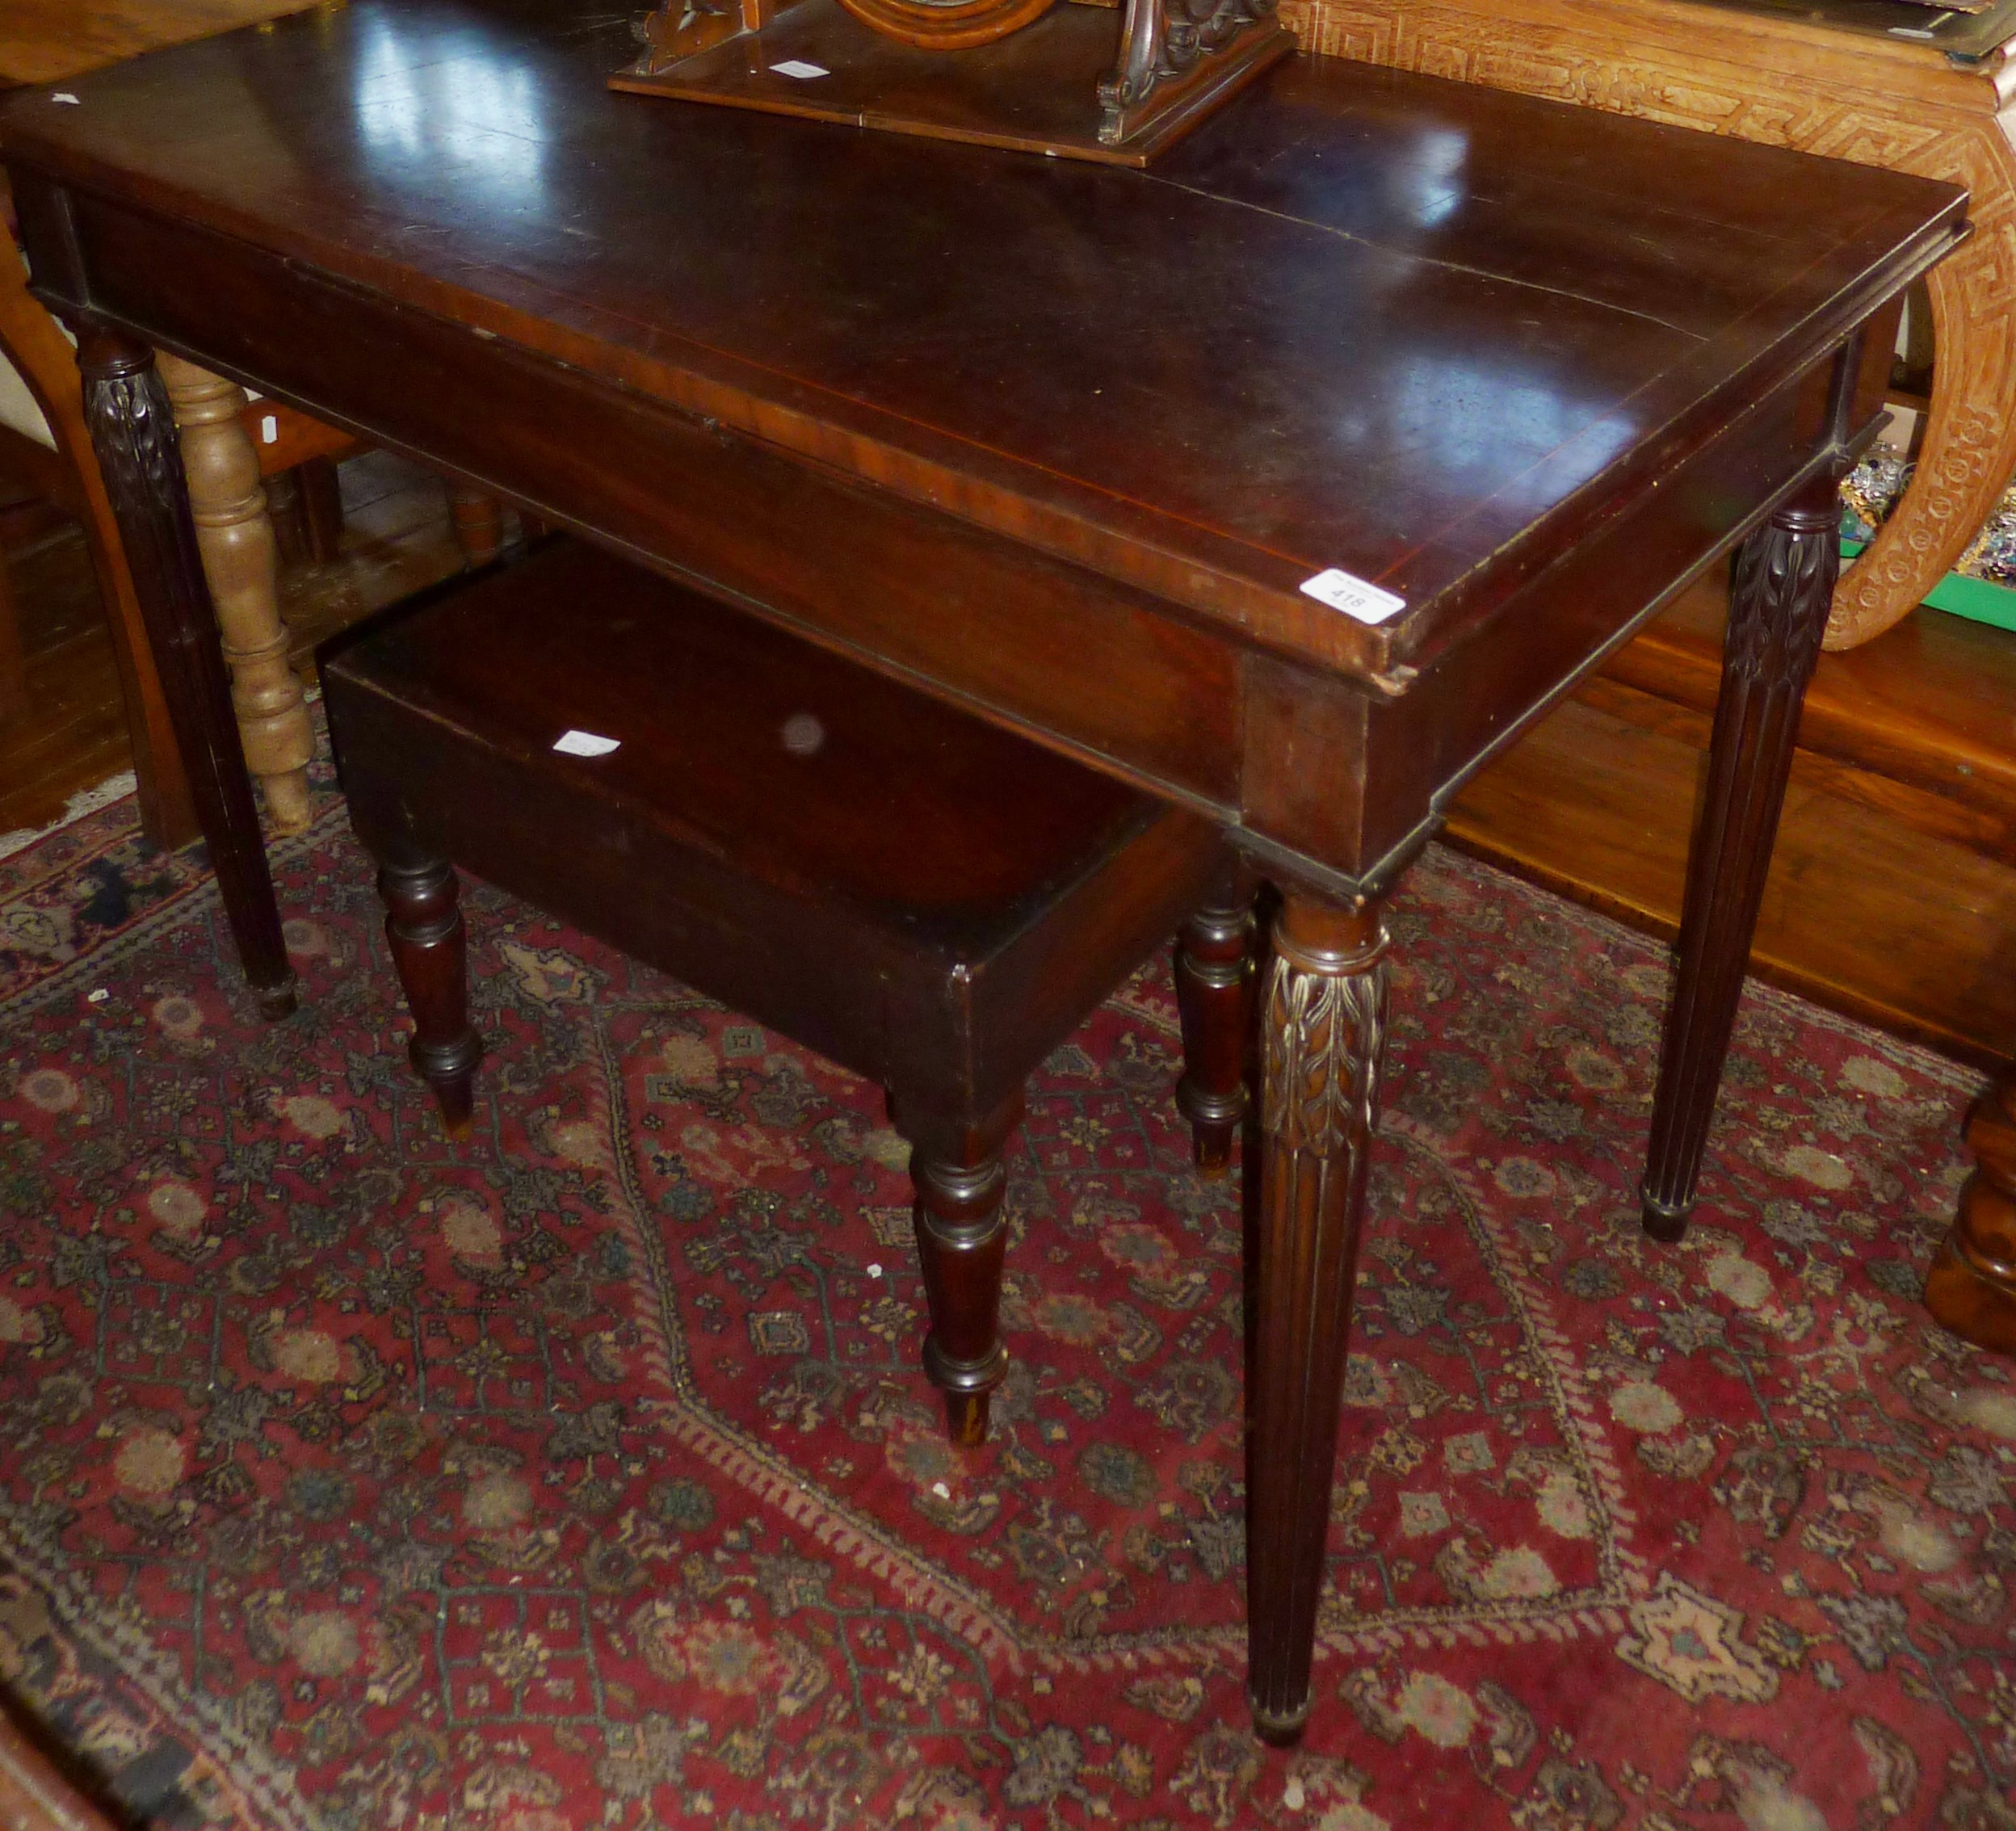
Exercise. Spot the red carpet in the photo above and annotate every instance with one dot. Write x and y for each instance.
(582, 1476)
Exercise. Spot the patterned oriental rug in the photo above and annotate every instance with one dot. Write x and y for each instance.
(581, 1475)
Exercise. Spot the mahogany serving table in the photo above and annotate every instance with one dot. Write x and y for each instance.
(1060, 442)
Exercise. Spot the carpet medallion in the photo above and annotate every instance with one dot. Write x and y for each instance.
(581, 1474)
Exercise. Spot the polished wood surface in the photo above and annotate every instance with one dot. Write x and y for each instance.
(1783, 80)
(46, 41)
(931, 901)
(1058, 442)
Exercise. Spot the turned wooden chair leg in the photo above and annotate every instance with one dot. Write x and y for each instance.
(430, 952)
(1971, 1286)
(1214, 964)
(1322, 1041)
(479, 523)
(1780, 591)
(962, 1237)
(235, 535)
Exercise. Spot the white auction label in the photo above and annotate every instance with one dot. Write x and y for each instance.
(586, 744)
(1353, 596)
(799, 67)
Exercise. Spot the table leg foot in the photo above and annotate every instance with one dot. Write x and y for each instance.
(1779, 593)
(133, 434)
(1971, 1286)
(1322, 1042)
(429, 950)
(962, 1240)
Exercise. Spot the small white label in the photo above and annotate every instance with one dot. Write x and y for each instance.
(270, 429)
(66, 99)
(799, 67)
(586, 744)
(1353, 596)
(875, 1272)
(97, 997)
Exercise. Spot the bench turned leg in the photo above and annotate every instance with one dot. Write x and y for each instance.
(1322, 1042)
(962, 1235)
(1214, 962)
(429, 950)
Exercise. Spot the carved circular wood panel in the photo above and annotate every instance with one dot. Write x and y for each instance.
(946, 25)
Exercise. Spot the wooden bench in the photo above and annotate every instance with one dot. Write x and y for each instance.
(930, 902)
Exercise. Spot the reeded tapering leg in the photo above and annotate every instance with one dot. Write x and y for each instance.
(962, 1236)
(1779, 592)
(430, 950)
(1971, 1286)
(235, 533)
(1215, 962)
(479, 523)
(133, 433)
(1322, 1039)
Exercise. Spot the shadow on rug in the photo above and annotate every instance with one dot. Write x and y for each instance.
(582, 1475)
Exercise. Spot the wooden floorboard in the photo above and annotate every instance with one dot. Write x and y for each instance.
(397, 538)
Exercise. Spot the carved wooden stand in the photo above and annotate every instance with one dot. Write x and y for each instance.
(1062, 80)
(1787, 82)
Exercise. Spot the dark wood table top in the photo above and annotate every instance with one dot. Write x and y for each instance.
(1426, 333)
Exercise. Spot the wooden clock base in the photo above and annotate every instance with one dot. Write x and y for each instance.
(1081, 82)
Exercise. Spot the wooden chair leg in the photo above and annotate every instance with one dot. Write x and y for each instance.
(321, 509)
(430, 952)
(235, 536)
(962, 1236)
(479, 523)
(1214, 964)
(1323, 1041)
(1780, 591)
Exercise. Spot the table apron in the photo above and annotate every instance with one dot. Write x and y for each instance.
(1330, 780)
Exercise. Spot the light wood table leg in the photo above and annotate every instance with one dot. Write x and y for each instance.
(1322, 1042)
(132, 431)
(234, 530)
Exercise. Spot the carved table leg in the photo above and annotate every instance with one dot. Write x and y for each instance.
(1215, 966)
(479, 523)
(962, 1237)
(1779, 591)
(235, 533)
(132, 431)
(1971, 1286)
(429, 950)
(1323, 1034)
